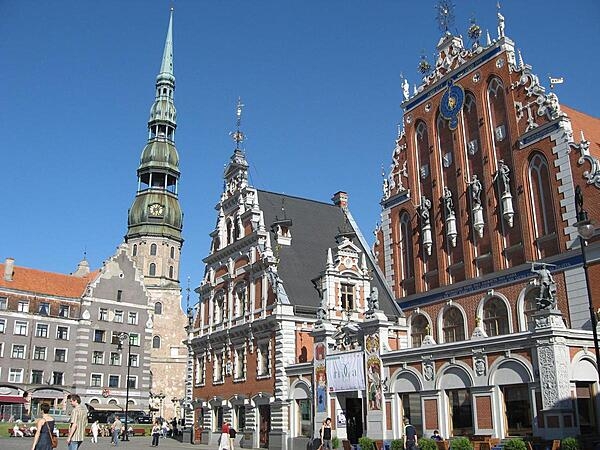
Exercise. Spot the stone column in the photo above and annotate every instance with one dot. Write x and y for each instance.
(323, 339)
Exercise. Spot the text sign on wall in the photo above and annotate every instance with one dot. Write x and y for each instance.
(345, 372)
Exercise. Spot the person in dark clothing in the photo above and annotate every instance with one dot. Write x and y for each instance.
(410, 435)
(326, 435)
(44, 429)
(436, 436)
(232, 435)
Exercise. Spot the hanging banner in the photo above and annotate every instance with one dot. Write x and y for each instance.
(345, 372)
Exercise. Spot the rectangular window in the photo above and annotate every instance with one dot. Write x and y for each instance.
(63, 311)
(37, 377)
(41, 330)
(132, 318)
(39, 353)
(3, 302)
(113, 381)
(134, 360)
(240, 363)
(23, 306)
(18, 351)
(98, 357)
(96, 380)
(15, 375)
(21, 328)
(118, 316)
(134, 339)
(264, 363)
(132, 382)
(1, 352)
(115, 359)
(200, 370)
(119, 295)
(60, 355)
(44, 309)
(2, 325)
(99, 336)
(62, 333)
(347, 297)
(103, 314)
(57, 378)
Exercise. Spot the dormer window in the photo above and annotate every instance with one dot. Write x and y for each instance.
(347, 300)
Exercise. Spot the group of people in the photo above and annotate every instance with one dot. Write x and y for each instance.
(228, 434)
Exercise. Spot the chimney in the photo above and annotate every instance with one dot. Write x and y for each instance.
(340, 199)
(9, 269)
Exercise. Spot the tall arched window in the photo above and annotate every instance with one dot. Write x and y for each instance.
(152, 269)
(240, 304)
(453, 325)
(219, 307)
(156, 342)
(419, 327)
(134, 252)
(153, 250)
(158, 308)
(542, 206)
(230, 237)
(406, 254)
(495, 317)
(172, 252)
(171, 271)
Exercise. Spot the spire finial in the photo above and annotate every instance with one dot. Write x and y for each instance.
(445, 15)
(166, 66)
(238, 136)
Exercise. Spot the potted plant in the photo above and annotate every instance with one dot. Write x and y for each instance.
(366, 443)
(569, 443)
(335, 442)
(397, 444)
(460, 443)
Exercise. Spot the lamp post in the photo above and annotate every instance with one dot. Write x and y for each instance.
(122, 337)
(161, 397)
(585, 230)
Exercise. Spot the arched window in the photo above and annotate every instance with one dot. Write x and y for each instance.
(495, 317)
(171, 271)
(218, 307)
(542, 206)
(158, 308)
(240, 304)
(153, 250)
(156, 342)
(172, 252)
(230, 238)
(134, 252)
(453, 325)
(419, 328)
(406, 253)
(152, 270)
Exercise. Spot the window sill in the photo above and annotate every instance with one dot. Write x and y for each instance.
(263, 377)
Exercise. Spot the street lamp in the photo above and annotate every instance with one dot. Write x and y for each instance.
(585, 231)
(161, 397)
(122, 337)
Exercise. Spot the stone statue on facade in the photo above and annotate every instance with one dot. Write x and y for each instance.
(476, 188)
(448, 202)
(502, 174)
(405, 89)
(547, 296)
(374, 299)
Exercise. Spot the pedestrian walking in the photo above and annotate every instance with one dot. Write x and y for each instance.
(410, 435)
(44, 429)
(326, 435)
(78, 423)
(116, 431)
(224, 439)
(95, 429)
(232, 435)
(156, 430)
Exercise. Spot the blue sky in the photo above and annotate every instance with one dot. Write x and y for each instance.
(320, 81)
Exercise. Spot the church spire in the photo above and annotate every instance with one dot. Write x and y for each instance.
(156, 210)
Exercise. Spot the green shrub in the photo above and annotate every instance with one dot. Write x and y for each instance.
(366, 443)
(397, 444)
(335, 442)
(515, 444)
(427, 444)
(569, 443)
(460, 443)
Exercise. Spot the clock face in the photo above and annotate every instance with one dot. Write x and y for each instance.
(451, 104)
(156, 209)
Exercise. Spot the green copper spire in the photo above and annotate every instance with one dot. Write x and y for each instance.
(156, 210)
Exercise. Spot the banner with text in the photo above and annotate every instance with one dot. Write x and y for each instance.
(345, 372)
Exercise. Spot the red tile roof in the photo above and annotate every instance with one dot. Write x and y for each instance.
(590, 126)
(48, 283)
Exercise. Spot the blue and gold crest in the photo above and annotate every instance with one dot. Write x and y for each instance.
(451, 104)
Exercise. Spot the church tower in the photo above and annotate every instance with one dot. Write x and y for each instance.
(154, 239)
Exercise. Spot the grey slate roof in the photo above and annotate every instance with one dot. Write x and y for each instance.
(314, 228)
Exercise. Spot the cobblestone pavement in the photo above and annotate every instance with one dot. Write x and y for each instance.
(135, 443)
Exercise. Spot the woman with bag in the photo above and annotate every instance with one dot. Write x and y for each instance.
(156, 430)
(44, 438)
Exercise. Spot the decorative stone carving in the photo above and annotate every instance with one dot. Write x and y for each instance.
(503, 177)
(451, 232)
(593, 175)
(480, 366)
(553, 360)
(547, 296)
(428, 370)
(546, 104)
(476, 208)
(426, 239)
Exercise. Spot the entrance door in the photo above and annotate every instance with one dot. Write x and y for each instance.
(265, 425)
(354, 419)
(517, 407)
(585, 407)
(461, 412)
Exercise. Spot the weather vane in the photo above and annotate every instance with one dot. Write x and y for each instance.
(445, 14)
(238, 136)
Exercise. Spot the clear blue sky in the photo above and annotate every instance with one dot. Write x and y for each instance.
(320, 81)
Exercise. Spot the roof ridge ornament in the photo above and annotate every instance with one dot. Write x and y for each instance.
(238, 136)
(445, 15)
